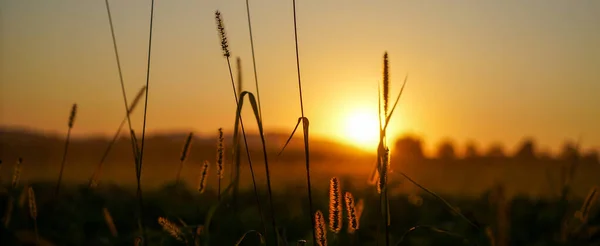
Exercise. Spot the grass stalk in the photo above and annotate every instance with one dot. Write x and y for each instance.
(226, 54)
(66, 148)
(137, 158)
(184, 154)
(254, 105)
(304, 129)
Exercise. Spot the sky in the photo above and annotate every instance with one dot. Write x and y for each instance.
(489, 71)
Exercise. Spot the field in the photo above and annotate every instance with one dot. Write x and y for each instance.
(251, 185)
(534, 210)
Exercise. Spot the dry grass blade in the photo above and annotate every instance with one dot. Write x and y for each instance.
(109, 222)
(260, 236)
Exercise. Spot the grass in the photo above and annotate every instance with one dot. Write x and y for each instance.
(77, 218)
(203, 216)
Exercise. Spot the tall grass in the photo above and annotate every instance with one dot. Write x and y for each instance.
(134, 147)
(184, 155)
(95, 179)
(227, 54)
(305, 124)
(66, 148)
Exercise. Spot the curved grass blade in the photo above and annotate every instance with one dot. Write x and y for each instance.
(238, 117)
(291, 135)
(260, 236)
(432, 229)
(442, 200)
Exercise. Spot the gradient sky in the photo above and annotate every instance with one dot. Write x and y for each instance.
(483, 70)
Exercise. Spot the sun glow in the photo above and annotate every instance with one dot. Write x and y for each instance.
(361, 128)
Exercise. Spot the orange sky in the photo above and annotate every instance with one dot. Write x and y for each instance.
(490, 71)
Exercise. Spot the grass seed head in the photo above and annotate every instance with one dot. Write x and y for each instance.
(32, 203)
(320, 229)
(203, 177)
(186, 147)
(220, 154)
(170, 227)
(350, 208)
(386, 83)
(17, 173)
(222, 34)
(73, 115)
(335, 205)
(589, 203)
(109, 222)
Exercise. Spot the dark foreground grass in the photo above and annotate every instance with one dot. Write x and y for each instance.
(76, 218)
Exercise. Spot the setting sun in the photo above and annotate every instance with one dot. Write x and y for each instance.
(362, 128)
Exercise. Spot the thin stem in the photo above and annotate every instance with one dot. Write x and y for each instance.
(62, 164)
(114, 40)
(37, 234)
(96, 175)
(141, 155)
(253, 59)
(247, 150)
(304, 127)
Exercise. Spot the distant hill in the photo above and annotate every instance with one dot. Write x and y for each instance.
(41, 147)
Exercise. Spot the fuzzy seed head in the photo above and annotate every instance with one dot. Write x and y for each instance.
(186, 147)
(109, 222)
(17, 173)
(220, 154)
(222, 34)
(320, 229)
(138, 241)
(239, 75)
(360, 207)
(203, 177)
(350, 208)
(335, 205)
(73, 115)
(137, 99)
(32, 204)
(385, 166)
(386, 83)
(170, 227)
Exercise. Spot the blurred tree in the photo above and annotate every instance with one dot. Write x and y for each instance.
(527, 150)
(569, 151)
(496, 150)
(591, 157)
(471, 151)
(445, 150)
(409, 147)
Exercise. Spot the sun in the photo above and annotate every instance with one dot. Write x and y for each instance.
(362, 128)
